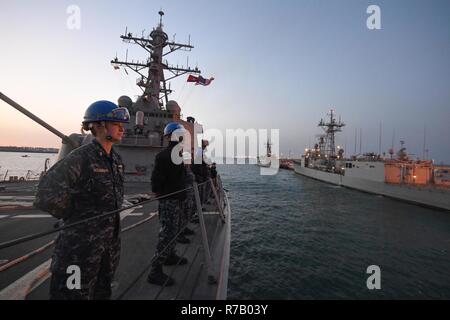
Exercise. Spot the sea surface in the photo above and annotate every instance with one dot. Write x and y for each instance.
(19, 163)
(298, 238)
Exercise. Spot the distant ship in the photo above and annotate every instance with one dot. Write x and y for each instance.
(416, 181)
(287, 164)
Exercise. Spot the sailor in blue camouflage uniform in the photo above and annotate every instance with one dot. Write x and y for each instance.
(202, 171)
(168, 177)
(85, 184)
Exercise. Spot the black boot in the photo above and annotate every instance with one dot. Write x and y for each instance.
(175, 259)
(158, 277)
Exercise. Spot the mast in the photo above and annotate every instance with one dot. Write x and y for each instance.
(330, 128)
(268, 148)
(151, 79)
(144, 135)
(360, 140)
(379, 141)
(424, 142)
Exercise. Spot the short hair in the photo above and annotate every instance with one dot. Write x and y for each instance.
(89, 126)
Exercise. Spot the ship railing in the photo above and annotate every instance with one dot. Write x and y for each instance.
(219, 197)
(20, 175)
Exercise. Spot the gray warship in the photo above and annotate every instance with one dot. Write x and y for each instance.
(417, 181)
(27, 234)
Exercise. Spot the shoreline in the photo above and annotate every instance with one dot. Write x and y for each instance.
(43, 150)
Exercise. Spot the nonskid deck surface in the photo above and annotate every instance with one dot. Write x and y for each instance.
(138, 246)
(190, 279)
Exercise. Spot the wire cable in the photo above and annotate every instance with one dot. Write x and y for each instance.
(17, 241)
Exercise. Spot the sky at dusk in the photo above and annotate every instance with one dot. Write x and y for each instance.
(276, 64)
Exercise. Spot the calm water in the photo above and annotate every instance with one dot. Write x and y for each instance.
(297, 238)
(19, 166)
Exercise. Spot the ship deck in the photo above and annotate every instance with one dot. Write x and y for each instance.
(29, 279)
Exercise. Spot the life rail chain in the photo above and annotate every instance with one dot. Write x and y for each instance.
(18, 241)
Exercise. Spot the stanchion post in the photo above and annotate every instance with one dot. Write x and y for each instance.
(209, 265)
(218, 202)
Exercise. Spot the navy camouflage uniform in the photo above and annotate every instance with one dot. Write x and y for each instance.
(84, 184)
(168, 177)
(189, 202)
(202, 174)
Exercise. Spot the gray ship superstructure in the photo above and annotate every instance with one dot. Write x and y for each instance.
(143, 136)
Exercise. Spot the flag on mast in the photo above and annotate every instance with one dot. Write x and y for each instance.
(199, 80)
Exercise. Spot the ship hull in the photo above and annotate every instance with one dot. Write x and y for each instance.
(424, 196)
(264, 165)
(264, 162)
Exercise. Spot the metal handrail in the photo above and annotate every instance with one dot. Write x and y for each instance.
(209, 265)
(17, 241)
(218, 194)
(210, 269)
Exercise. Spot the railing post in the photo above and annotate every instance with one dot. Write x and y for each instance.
(221, 192)
(209, 265)
(218, 202)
